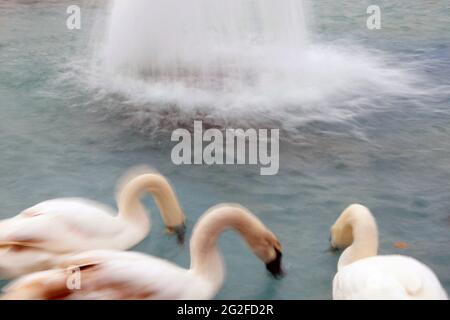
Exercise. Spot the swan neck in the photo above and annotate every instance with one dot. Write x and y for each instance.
(365, 237)
(206, 259)
(131, 207)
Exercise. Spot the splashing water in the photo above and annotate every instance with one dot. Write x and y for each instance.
(202, 41)
(239, 60)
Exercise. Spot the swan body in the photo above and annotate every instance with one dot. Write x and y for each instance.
(390, 277)
(34, 239)
(362, 274)
(129, 275)
(113, 275)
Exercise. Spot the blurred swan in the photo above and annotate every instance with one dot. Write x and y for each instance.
(33, 240)
(130, 275)
(362, 274)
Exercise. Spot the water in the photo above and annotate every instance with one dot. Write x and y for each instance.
(246, 57)
(372, 128)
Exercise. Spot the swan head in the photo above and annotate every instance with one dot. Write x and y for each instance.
(260, 240)
(355, 216)
(340, 237)
(267, 248)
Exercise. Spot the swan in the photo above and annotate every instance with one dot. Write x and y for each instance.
(362, 274)
(36, 237)
(130, 275)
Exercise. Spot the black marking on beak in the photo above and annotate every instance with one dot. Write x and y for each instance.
(180, 232)
(274, 267)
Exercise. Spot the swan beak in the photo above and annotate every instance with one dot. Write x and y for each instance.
(274, 267)
(179, 231)
(332, 248)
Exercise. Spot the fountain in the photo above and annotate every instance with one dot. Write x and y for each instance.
(237, 61)
(203, 43)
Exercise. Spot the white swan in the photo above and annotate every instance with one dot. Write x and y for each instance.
(362, 274)
(130, 275)
(35, 238)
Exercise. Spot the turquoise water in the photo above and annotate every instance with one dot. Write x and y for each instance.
(61, 136)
